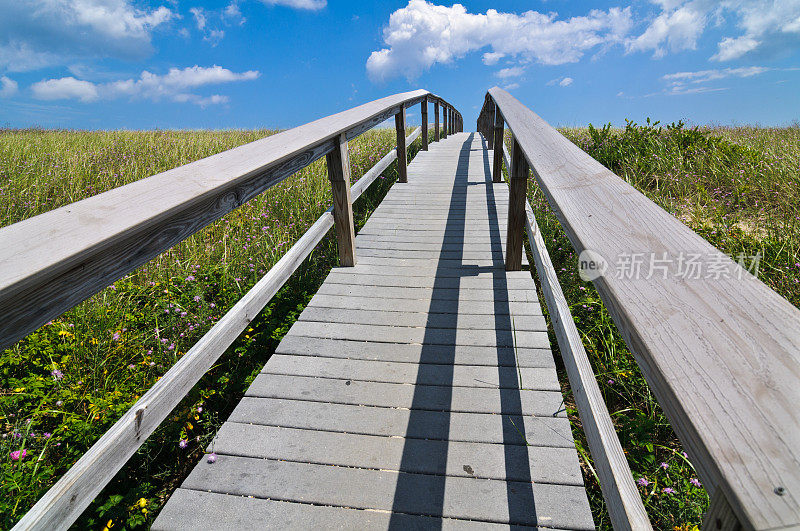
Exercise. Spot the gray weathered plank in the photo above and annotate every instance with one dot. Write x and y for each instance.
(222, 512)
(535, 378)
(437, 398)
(545, 464)
(467, 498)
(395, 422)
(413, 353)
(422, 320)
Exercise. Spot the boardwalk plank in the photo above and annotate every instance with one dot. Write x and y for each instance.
(416, 389)
(221, 512)
(433, 397)
(423, 374)
(421, 319)
(413, 353)
(466, 459)
(455, 497)
(394, 422)
(427, 336)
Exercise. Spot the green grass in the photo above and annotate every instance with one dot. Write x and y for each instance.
(64, 385)
(737, 187)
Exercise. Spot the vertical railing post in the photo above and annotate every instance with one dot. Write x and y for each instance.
(425, 123)
(444, 121)
(436, 121)
(497, 171)
(516, 207)
(338, 162)
(402, 157)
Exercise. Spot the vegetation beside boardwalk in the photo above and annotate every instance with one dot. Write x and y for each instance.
(64, 385)
(737, 187)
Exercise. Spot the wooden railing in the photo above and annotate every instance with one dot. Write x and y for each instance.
(54, 261)
(720, 353)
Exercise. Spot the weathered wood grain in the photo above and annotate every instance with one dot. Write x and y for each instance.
(424, 108)
(548, 431)
(65, 501)
(497, 168)
(53, 261)
(722, 355)
(402, 154)
(220, 512)
(518, 185)
(338, 162)
(436, 131)
(622, 498)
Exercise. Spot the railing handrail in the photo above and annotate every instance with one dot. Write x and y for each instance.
(55, 260)
(721, 356)
(623, 502)
(63, 503)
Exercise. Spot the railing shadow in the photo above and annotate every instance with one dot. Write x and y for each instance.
(521, 506)
(438, 362)
(408, 486)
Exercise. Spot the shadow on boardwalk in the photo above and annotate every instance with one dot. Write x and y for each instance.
(437, 361)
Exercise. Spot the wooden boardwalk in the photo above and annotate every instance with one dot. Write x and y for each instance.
(417, 389)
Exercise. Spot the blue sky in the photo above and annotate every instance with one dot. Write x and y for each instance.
(279, 63)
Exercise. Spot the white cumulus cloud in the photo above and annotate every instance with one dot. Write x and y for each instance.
(8, 87)
(199, 17)
(422, 34)
(766, 25)
(48, 32)
(672, 30)
(65, 88)
(686, 82)
(311, 5)
(514, 71)
(176, 85)
(561, 81)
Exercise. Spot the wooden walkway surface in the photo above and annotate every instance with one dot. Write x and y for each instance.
(417, 389)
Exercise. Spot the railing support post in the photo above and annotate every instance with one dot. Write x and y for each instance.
(402, 158)
(497, 170)
(338, 162)
(516, 207)
(444, 121)
(720, 516)
(424, 123)
(436, 121)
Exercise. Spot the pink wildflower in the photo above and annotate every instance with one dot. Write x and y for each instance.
(19, 455)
